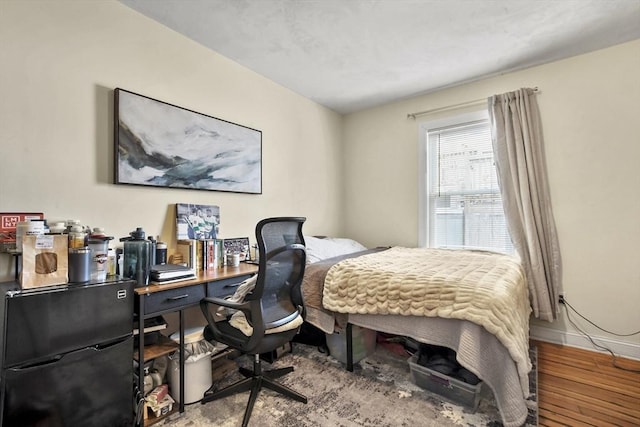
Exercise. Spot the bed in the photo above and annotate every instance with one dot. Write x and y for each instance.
(473, 302)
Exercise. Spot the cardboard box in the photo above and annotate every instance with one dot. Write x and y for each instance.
(8, 222)
(164, 406)
(155, 397)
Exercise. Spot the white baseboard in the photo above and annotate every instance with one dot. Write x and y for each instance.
(572, 339)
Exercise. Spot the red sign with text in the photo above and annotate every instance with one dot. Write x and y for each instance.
(8, 223)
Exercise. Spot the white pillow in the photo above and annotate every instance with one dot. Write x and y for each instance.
(329, 247)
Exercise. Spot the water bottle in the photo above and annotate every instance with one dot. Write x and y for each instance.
(137, 257)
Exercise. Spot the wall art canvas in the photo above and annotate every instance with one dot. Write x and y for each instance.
(163, 145)
(197, 222)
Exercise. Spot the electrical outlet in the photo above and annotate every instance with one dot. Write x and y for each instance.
(561, 298)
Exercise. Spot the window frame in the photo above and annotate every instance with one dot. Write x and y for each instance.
(423, 167)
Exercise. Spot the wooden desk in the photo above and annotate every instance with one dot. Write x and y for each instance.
(156, 300)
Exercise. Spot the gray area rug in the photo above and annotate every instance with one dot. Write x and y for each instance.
(380, 393)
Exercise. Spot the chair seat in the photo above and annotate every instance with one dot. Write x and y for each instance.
(235, 338)
(239, 321)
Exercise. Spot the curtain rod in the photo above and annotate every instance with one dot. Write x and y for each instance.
(453, 107)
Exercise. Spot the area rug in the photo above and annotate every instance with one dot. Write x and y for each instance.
(379, 392)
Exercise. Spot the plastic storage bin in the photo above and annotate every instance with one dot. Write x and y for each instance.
(450, 388)
(197, 366)
(364, 343)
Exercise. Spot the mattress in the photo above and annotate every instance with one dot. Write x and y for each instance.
(491, 340)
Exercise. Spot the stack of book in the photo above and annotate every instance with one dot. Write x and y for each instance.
(150, 325)
(152, 328)
(201, 255)
(169, 273)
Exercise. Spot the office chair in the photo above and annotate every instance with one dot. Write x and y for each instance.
(272, 310)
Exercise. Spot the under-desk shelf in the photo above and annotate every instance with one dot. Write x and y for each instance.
(152, 419)
(152, 351)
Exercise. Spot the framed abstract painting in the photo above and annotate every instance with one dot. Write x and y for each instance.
(162, 145)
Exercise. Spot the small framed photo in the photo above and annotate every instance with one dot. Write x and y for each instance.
(238, 245)
(197, 222)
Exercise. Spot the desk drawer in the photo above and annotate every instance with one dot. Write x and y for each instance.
(173, 299)
(224, 287)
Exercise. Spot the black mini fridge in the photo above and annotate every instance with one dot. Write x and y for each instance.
(67, 355)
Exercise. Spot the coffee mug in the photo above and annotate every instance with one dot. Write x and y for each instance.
(233, 260)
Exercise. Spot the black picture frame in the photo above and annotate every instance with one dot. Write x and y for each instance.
(162, 145)
(197, 222)
(238, 245)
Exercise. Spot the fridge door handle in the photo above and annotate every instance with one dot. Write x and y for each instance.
(53, 360)
(59, 357)
(104, 346)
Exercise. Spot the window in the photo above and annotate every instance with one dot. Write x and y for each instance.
(460, 202)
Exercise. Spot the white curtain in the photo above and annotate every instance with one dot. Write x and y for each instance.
(516, 132)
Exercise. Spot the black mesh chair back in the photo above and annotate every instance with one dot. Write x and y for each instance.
(274, 302)
(282, 260)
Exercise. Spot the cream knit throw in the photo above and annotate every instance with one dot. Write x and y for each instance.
(486, 288)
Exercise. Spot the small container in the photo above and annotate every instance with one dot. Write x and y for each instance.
(256, 253)
(79, 265)
(99, 245)
(71, 222)
(111, 262)
(77, 237)
(57, 228)
(152, 250)
(448, 387)
(233, 260)
(363, 341)
(161, 253)
(98, 232)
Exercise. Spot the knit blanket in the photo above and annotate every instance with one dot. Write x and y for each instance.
(486, 288)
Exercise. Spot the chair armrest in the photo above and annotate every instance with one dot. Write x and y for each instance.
(244, 306)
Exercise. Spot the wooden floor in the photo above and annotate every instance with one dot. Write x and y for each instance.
(581, 388)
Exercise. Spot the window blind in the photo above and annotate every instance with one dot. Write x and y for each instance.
(465, 206)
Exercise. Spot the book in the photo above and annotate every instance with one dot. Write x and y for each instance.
(209, 254)
(170, 271)
(172, 280)
(150, 325)
(188, 249)
(199, 265)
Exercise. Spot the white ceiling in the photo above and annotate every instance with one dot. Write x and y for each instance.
(353, 54)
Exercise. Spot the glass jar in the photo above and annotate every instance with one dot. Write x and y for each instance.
(77, 237)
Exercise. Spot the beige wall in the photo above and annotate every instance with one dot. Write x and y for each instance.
(60, 61)
(59, 64)
(590, 107)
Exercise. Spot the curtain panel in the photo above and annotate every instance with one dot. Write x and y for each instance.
(516, 133)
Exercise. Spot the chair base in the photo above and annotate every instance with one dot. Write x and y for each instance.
(255, 380)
